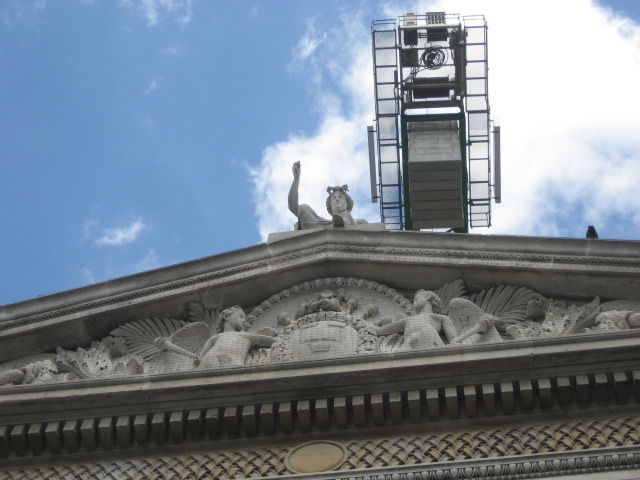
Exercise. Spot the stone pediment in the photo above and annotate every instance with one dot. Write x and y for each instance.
(576, 271)
(172, 321)
(327, 330)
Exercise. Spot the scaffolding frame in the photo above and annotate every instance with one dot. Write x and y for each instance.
(398, 101)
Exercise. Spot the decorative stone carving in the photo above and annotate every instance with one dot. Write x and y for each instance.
(232, 345)
(146, 337)
(324, 335)
(364, 299)
(556, 318)
(422, 329)
(451, 319)
(324, 318)
(615, 320)
(105, 358)
(42, 371)
(214, 340)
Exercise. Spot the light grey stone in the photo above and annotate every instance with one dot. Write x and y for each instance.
(106, 432)
(340, 412)
(433, 403)
(267, 418)
(489, 399)
(321, 409)
(303, 413)
(250, 420)
(377, 409)
(124, 431)
(285, 414)
(213, 420)
(359, 409)
(53, 435)
(177, 426)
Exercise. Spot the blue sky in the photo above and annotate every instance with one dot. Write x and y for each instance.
(142, 133)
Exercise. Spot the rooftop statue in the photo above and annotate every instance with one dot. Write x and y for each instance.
(339, 205)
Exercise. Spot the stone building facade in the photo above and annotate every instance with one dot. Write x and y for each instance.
(351, 354)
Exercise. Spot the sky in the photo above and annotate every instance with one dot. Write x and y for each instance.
(136, 134)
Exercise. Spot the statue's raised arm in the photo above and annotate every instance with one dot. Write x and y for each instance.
(293, 191)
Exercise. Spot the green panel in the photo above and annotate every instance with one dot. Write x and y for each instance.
(404, 119)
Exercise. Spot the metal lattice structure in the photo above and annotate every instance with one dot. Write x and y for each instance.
(432, 154)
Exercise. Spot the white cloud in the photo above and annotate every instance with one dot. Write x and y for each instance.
(148, 262)
(173, 50)
(40, 5)
(89, 227)
(303, 61)
(309, 43)
(152, 86)
(155, 11)
(563, 86)
(145, 122)
(109, 269)
(88, 276)
(122, 235)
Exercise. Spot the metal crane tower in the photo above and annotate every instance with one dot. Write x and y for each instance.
(430, 150)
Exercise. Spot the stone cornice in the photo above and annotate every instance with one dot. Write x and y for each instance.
(585, 375)
(401, 248)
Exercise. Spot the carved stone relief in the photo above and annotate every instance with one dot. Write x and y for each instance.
(321, 319)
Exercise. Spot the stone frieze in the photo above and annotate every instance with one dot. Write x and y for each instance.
(322, 319)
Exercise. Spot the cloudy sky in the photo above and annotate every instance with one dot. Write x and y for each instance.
(137, 134)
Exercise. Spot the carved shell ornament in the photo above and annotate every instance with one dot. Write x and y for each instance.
(325, 318)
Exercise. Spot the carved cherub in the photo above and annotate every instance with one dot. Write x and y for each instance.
(422, 328)
(325, 301)
(435, 323)
(230, 347)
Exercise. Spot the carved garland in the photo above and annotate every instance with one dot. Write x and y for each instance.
(329, 282)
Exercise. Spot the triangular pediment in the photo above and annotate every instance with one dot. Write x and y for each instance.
(573, 270)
